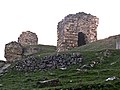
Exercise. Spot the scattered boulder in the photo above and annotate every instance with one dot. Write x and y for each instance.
(111, 78)
(48, 83)
(85, 67)
(113, 63)
(63, 68)
(13, 51)
(71, 81)
(28, 38)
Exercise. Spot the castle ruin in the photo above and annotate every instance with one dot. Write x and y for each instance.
(17, 50)
(76, 30)
(13, 51)
(28, 38)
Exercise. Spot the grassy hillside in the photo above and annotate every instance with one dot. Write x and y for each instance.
(40, 49)
(108, 43)
(43, 48)
(101, 62)
(75, 77)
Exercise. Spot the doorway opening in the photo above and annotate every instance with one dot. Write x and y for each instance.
(81, 39)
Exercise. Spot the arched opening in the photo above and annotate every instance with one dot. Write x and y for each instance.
(81, 39)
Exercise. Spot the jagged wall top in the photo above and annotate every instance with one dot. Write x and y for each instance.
(78, 16)
(28, 38)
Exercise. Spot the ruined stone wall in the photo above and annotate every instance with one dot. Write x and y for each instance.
(71, 25)
(17, 50)
(13, 51)
(28, 38)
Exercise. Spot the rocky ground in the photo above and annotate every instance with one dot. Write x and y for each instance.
(61, 61)
(89, 70)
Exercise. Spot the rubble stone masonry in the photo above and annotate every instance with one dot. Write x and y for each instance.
(17, 50)
(76, 30)
(13, 51)
(28, 38)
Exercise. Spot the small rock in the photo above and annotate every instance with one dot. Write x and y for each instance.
(78, 69)
(46, 83)
(1, 85)
(92, 65)
(113, 63)
(111, 78)
(63, 68)
(93, 62)
(71, 81)
(85, 67)
(1, 74)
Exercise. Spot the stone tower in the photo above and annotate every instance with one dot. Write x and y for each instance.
(76, 30)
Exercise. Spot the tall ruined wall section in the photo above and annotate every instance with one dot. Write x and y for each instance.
(28, 38)
(71, 25)
(25, 46)
(13, 51)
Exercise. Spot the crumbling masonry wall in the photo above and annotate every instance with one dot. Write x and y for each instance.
(25, 46)
(71, 25)
(13, 51)
(28, 38)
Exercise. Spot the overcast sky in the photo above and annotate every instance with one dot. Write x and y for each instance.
(42, 16)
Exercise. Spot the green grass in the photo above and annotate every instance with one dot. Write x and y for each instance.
(71, 79)
(42, 48)
(108, 43)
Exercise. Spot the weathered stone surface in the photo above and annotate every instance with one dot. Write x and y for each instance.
(48, 62)
(13, 51)
(28, 38)
(76, 30)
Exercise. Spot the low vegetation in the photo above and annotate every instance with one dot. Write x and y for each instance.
(75, 77)
(108, 43)
(100, 70)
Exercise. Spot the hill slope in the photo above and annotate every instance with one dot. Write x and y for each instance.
(94, 73)
(108, 43)
(95, 66)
